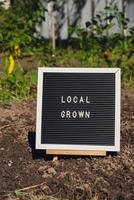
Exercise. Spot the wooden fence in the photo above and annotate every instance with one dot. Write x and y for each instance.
(76, 12)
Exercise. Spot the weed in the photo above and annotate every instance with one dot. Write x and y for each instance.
(15, 84)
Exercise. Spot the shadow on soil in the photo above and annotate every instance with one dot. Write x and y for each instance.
(36, 153)
(39, 154)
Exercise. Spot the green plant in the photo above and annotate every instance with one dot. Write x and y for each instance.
(17, 85)
(98, 35)
(18, 24)
(18, 194)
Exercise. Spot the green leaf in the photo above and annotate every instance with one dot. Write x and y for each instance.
(107, 8)
(94, 21)
(1, 37)
(18, 193)
(88, 24)
(33, 77)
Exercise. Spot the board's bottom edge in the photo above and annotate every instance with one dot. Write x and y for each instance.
(75, 152)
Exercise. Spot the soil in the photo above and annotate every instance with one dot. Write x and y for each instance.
(70, 177)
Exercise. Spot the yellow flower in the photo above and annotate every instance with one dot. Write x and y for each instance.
(17, 51)
(11, 65)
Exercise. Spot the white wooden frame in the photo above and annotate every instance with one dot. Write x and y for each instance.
(116, 147)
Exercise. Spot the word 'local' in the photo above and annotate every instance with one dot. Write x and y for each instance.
(75, 99)
(75, 113)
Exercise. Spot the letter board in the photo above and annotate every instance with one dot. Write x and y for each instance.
(78, 109)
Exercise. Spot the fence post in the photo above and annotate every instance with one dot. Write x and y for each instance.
(53, 23)
(124, 6)
(93, 8)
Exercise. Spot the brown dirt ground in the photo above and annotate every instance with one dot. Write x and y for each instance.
(71, 177)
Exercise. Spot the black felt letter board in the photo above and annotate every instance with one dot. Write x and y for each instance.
(98, 129)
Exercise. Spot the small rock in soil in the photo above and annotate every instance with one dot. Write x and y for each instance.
(56, 163)
(51, 171)
(42, 169)
(46, 189)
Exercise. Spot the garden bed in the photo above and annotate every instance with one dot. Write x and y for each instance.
(71, 177)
